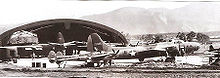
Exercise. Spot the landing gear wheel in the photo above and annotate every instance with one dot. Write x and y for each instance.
(141, 59)
(105, 62)
(99, 64)
(170, 59)
(90, 64)
(52, 57)
(59, 53)
(59, 63)
(110, 62)
(14, 60)
(216, 62)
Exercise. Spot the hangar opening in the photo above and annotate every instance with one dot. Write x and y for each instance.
(44, 32)
(72, 30)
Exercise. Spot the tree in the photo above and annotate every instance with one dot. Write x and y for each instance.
(190, 36)
(202, 38)
(181, 36)
(158, 38)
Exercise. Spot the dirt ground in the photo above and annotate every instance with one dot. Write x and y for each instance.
(8, 70)
(131, 75)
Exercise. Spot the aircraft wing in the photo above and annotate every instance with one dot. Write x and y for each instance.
(162, 46)
(55, 44)
(99, 57)
(83, 57)
(10, 48)
(63, 44)
(158, 50)
(151, 53)
(70, 43)
(214, 53)
(72, 58)
(15, 47)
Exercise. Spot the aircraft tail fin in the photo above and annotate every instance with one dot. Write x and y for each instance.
(90, 47)
(211, 48)
(95, 43)
(60, 38)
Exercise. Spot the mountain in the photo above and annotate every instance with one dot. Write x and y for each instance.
(198, 17)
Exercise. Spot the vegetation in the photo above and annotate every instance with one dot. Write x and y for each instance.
(181, 36)
(185, 36)
(202, 38)
(190, 36)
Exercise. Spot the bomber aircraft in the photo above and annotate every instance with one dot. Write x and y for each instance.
(99, 53)
(9, 53)
(172, 48)
(13, 52)
(96, 44)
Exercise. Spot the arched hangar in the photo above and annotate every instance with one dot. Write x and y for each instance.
(72, 30)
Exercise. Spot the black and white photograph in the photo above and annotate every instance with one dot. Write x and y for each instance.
(110, 39)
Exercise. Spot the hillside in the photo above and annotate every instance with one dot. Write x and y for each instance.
(195, 17)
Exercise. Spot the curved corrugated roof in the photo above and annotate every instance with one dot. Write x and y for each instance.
(72, 29)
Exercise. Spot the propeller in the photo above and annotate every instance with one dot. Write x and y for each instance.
(115, 52)
(109, 58)
(52, 57)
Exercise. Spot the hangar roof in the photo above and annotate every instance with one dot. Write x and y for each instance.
(72, 29)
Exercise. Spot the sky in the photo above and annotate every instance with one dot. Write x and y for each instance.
(15, 13)
(26, 11)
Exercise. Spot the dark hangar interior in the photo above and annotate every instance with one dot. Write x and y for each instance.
(72, 30)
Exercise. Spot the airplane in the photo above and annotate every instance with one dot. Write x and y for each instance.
(211, 48)
(66, 48)
(169, 49)
(212, 52)
(121, 51)
(61, 41)
(99, 53)
(128, 52)
(9, 53)
(60, 45)
(21, 51)
(100, 46)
